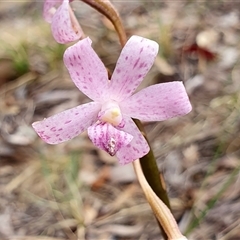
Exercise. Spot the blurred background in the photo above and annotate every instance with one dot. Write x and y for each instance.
(76, 191)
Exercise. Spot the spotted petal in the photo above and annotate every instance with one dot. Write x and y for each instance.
(65, 27)
(108, 138)
(158, 102)
(87, 70)
(68, 124)
(50, 8)
(135, 61)
(137, 148)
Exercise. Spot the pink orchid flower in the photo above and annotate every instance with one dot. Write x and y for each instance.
(108, 118)
(65, 27)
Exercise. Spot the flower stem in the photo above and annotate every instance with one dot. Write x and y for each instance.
(161, 211)
(107, 9)
(151, 172)
(153, 176)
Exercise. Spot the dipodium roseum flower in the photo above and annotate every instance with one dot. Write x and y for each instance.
(65, 27)
(108, 118)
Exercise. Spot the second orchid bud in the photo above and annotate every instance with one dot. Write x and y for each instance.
(64, 25)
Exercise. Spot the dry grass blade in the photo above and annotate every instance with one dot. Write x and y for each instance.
(28, 77)
(18, 180)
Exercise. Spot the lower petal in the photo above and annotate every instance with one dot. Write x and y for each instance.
(68, 124)
(108, 138)
(137, 148)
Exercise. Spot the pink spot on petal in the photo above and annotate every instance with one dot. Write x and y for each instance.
(67, 121)
(136, 63)
(53, 129)
(46, 137)
(135, 149)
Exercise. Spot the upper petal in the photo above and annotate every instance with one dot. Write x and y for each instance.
(49, 9)
(87, 70)
(65, 27)
(137, 148)
(135, 61)
(68, 124)
(158, 102)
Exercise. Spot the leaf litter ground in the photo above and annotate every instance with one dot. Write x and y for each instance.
(75, 191)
